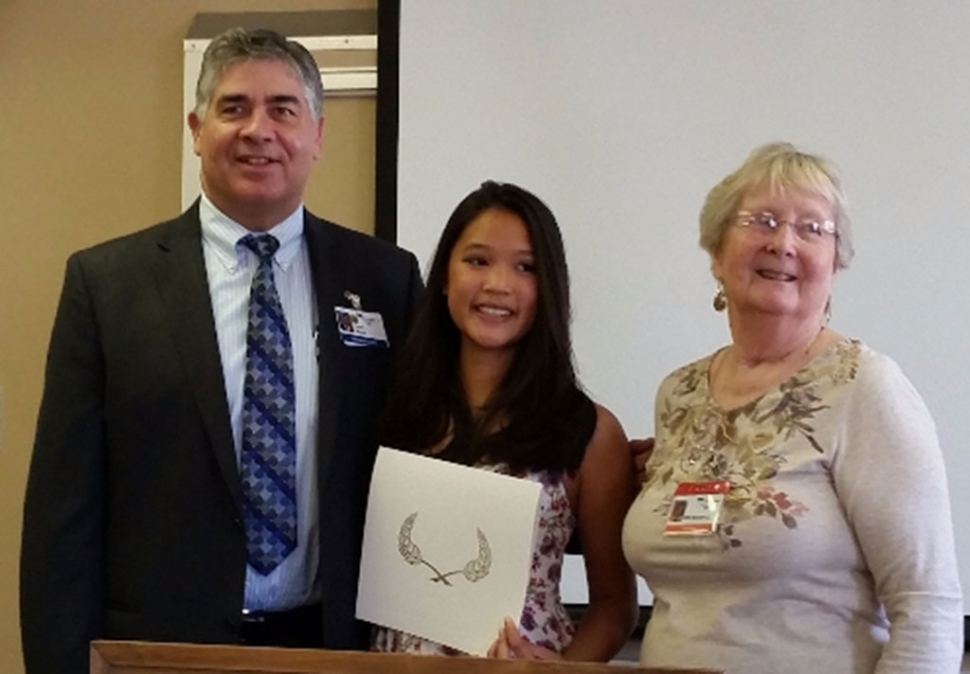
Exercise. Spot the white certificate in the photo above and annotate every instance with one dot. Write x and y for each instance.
(447, 549)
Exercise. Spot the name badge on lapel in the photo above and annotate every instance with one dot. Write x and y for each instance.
(361, 328)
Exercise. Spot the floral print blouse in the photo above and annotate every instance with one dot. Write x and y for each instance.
(834, 551)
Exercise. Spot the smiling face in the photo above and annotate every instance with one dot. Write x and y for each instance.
(778, 272)
(257, 142)
(492, 287)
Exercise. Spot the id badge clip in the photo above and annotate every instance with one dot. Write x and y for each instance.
(696, 508)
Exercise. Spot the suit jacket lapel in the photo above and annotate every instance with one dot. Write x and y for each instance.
(184, 288)
(327, 272)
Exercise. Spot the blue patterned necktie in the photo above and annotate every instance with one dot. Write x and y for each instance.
(268, 459)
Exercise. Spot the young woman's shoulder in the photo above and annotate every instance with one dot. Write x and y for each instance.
(608, 436)
(607, 462)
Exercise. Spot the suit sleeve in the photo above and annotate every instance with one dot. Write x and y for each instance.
(415, 288)
(62, 552)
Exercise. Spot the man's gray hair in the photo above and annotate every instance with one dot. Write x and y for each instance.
(238, 44)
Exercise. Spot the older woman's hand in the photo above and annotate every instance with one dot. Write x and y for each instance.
(511, 645)
(640, 451)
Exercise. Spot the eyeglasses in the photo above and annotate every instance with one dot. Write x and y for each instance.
(767, 223)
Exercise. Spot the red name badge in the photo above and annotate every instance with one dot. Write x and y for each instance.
(696, 508)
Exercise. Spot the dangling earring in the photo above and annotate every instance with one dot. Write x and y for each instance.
(828, 310)
(720, 299)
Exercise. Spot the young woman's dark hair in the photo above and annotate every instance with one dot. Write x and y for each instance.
(544, 420)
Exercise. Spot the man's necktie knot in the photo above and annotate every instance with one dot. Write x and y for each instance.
(263, 245)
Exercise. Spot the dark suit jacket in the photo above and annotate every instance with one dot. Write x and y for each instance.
(132, 520)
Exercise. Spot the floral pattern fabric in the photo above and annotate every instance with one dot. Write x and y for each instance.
(824, 540)
(744, 445)
(544, 620)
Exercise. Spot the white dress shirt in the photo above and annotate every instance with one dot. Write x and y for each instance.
(230, 268)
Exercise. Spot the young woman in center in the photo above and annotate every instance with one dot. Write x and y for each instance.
(486, 378)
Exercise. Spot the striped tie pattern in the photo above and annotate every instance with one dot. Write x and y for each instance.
(268, 457)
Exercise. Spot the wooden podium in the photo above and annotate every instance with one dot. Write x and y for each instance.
(139, 657)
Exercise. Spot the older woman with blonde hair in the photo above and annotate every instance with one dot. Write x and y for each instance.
(795, 515)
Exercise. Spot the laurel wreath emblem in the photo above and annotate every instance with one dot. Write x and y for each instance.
(473, 571)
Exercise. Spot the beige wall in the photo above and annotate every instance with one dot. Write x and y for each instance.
(90, 141)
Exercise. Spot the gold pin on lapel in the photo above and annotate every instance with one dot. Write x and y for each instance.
(353, 298)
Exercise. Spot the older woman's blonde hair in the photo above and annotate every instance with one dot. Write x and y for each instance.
(778, 166)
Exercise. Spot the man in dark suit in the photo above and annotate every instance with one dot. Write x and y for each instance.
(159, 421)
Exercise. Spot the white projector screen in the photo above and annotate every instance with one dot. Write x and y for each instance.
(622, 114)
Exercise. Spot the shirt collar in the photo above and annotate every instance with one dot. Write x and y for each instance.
(223, 233)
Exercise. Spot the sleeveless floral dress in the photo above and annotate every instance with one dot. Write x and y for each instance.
(544, 620)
